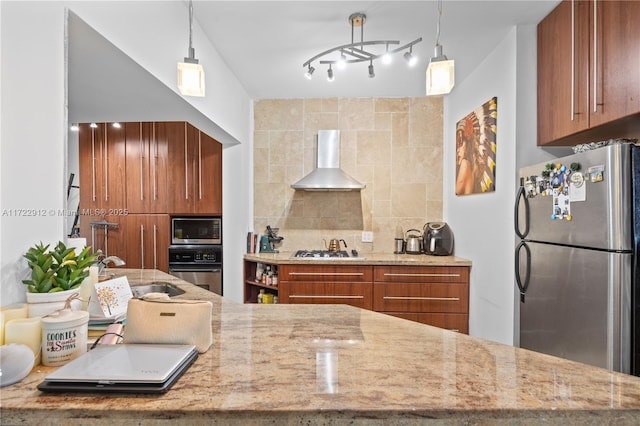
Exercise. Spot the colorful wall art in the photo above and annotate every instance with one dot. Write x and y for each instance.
(476, 150)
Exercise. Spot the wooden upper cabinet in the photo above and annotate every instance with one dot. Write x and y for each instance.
(588, 70)
(102, 178)
(102, 173)
(209, 197)
(195, 175)
(563, 77)
(615, 43)
(146, 168)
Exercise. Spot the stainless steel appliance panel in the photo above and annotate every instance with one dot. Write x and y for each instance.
(196, 230)
(208, 279)
(603, 220)
(577, 304)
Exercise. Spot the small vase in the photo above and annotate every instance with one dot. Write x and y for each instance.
(41, 304)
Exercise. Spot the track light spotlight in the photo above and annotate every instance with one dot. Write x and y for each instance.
(342, 62)
(386, 58)
(329, 74)
(371, 73)
(309, 72)
(411, 60)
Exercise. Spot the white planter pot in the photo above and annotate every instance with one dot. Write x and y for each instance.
(41, 304)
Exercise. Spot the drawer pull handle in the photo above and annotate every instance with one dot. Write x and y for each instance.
(444, 299)
(337, 274)
(301, 296)
(420, 275)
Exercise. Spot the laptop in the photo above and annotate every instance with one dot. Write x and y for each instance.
(128, 368)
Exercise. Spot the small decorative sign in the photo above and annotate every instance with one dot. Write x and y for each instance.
(110, 298)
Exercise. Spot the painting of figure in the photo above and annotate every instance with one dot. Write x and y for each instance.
(476, 150)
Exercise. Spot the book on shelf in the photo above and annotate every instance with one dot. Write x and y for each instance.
(252, 242)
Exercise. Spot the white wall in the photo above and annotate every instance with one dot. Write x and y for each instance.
(483, 223)
(237, 202)
(32, 135)
(33, 128)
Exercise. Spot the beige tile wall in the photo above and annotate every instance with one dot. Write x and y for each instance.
(393, 145)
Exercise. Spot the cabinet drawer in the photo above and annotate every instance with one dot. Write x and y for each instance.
(453, 322)
(335, 273)
(355, 294)
(419, 297)
(422, 274)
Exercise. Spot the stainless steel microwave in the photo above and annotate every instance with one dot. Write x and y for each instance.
(196, 230)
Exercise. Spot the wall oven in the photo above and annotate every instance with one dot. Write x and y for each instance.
(195, 253)
(198, 264)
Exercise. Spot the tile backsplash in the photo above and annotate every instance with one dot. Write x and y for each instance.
(393, 145)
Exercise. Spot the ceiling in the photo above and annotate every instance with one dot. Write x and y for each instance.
(265, 43)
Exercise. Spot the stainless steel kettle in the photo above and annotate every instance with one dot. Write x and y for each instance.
(413, 244)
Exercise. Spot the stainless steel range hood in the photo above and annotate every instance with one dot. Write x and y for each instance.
(328, 176)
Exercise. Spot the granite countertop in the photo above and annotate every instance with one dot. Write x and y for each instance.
(362, 259)
(322, 364)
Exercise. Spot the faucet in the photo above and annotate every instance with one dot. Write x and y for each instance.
(104, 261)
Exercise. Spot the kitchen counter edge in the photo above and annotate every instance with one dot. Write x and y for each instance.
(389, 259)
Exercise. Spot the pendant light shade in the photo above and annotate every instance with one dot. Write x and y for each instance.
(440, 76)
(190, 79)
(190, 72)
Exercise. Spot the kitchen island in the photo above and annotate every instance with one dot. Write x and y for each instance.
(330, 364)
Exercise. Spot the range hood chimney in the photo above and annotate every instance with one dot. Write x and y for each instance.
(328, 176)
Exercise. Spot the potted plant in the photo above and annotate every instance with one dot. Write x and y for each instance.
(55, 275)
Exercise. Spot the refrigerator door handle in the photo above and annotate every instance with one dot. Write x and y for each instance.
(516, 214)
(523, 285)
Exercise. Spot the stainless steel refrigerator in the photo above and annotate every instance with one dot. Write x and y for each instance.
(576, 263)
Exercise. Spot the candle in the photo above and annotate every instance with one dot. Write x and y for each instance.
(86, 288)
(93, 274)
(9, 313)
(27, 331)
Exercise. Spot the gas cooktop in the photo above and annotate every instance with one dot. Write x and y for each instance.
(326, 255)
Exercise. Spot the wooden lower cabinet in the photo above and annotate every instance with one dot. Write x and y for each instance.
(435, 295)
(335, 284)
(148, 241)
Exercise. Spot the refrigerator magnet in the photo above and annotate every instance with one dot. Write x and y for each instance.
(596, 173)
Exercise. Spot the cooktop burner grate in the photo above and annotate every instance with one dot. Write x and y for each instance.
(320, 253)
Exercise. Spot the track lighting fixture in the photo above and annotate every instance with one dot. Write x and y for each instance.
(440, 72)
(356, 51)
(190, 72)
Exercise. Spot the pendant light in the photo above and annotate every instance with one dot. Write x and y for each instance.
(440, 72)
(190, 72)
